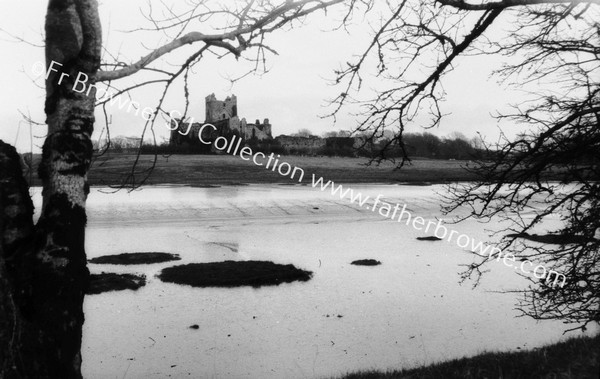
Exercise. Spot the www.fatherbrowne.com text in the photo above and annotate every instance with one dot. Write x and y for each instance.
(271, 162)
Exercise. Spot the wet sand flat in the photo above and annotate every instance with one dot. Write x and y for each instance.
(409, 310)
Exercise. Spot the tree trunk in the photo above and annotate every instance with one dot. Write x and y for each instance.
(16, 229)
(43, 269)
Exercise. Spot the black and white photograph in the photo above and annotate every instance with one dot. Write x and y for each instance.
(328, 189)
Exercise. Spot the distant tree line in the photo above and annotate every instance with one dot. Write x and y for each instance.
(427, 145)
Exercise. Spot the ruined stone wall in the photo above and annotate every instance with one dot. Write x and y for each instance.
(179, 137)
(258, 130)
(292, 144)
(344, 146)
(186, 134)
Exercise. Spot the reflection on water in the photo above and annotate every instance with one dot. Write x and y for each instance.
(410, 310)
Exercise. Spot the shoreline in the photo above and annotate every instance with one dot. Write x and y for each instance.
(278, 184)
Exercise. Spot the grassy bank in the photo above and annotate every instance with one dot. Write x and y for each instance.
(207, 170)
(204, 170)
(577, 358)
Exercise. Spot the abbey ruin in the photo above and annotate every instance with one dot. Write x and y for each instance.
(223, 114)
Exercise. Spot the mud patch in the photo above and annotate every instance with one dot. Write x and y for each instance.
(108, 282)
(135, 258)
(557, 239)
(366, 262)
(429, 238)
(233, 274)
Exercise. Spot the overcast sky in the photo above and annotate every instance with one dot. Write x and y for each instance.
(293, 94)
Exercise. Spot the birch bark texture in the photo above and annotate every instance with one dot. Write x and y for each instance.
(43, 270)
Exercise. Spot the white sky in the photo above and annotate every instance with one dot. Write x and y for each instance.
(292, 95)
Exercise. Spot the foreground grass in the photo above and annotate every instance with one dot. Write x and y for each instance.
(574, 358)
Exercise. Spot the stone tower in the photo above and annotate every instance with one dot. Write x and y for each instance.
(220, 110)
